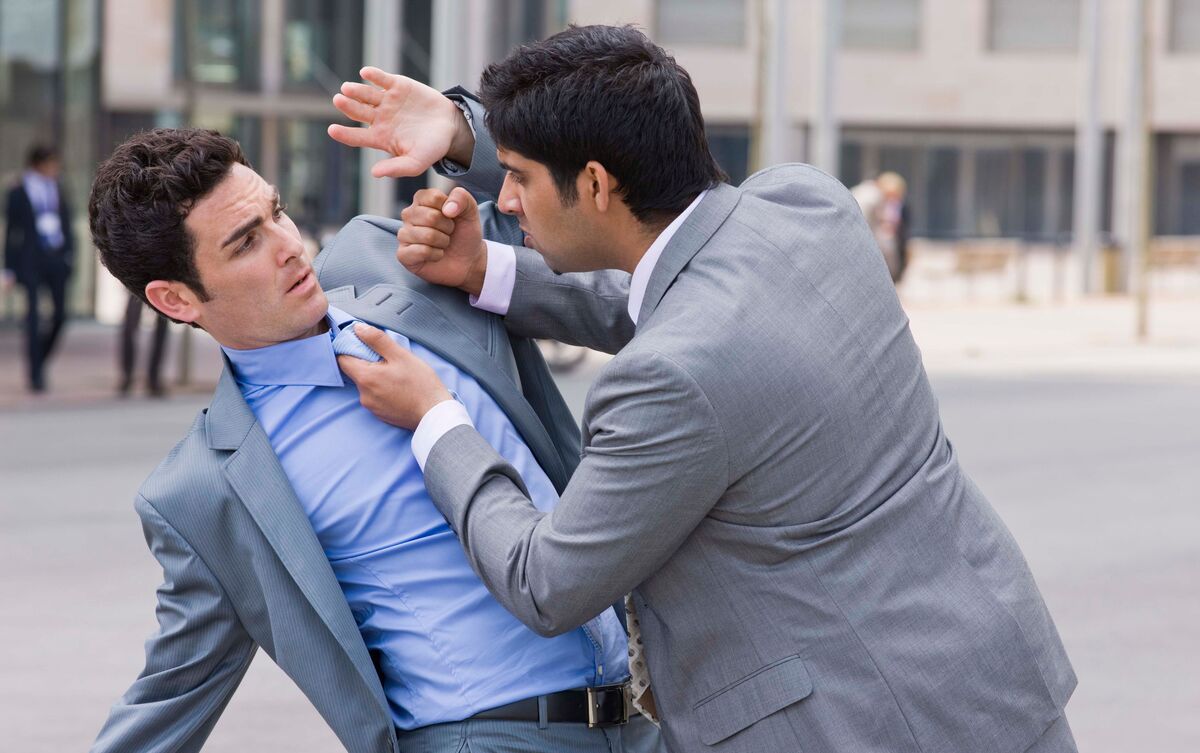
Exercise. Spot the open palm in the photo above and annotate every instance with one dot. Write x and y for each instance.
(405, 118)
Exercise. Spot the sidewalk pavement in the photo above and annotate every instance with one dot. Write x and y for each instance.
(1085, 337)
(84, 368)
(1088, 337)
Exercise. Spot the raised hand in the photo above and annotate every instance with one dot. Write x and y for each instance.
(442, 240)
(417, 125)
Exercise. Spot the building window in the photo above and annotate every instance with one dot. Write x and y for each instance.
(982, 185)
(30, 64)
(1034, 25)
(730, 146)
(322, 43)
(1177, 193)
(700, 22)
(318, 177)
(941, 193)
(1185, 26)
(217, 42)
(881, 24)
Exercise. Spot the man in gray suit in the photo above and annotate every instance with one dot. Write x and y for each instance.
(764, 465)
(289, 518)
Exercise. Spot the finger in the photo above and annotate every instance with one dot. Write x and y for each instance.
(368, 95)
(353, 367)
(350, 135)
(354, 109)
(413, 255)
(420, 216)
(403, 166)
(378, 341)
(427, 236)
(460, 205)
(429, 197)
(379, 77)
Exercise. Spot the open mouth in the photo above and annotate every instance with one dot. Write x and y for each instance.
(301, 283)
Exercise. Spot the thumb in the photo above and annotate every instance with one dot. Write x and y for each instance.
(378, 341)
(460, 205)
(403, 166)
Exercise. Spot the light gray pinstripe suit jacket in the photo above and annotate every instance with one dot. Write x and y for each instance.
(242, 567)
(765, 467)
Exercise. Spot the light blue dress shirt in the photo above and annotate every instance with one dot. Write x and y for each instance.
(444, 646)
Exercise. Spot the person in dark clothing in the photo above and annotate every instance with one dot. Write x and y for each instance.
(39, 252)
(129, 340)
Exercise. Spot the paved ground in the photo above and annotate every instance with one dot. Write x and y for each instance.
(1088, 445)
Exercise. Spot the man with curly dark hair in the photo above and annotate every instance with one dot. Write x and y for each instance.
(292, 520)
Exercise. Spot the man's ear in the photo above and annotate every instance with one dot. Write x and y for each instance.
(174, 300)
(598, 185)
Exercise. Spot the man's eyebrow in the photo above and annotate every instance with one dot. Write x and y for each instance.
(251, 224)
(510, 168)
(239, 232)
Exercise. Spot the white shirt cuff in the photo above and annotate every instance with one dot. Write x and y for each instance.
(440, 419)
(498, 280)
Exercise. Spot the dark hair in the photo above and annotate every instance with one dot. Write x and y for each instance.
(40, 154)
(604, 93)
(142, 195)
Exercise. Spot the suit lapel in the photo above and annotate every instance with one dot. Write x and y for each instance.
(687, 241)
(257, 478)
(413, 316)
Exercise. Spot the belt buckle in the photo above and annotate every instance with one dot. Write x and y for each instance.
(595, 701)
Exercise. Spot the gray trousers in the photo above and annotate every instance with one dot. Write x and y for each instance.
(493, 736)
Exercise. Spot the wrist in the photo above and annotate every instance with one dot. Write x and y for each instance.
(462, 145)
(477, 273)
(436, 399)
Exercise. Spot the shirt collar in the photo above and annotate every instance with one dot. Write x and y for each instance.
(644, 268)
(308, 362)
(36, 182)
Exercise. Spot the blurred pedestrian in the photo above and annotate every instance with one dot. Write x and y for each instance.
(158, 349)
(894, 219)
(881, 200)
(39, 252)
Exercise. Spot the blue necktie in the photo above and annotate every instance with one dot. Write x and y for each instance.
(347, 344)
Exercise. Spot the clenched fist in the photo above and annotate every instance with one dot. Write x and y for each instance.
(442, 240)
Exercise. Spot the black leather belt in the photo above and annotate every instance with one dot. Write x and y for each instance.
(601, 706)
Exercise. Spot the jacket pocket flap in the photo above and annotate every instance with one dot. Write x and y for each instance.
(754, 697)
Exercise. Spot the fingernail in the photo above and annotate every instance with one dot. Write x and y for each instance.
(449, 207)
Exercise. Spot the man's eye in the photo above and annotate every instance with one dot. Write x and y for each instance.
(248, 243)
(515, 178)
(279, 210)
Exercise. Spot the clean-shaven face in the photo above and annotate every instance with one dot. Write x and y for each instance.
(251, 261)
(569, 238)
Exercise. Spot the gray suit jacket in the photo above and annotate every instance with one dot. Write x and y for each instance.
(764, 465)
(242, 567)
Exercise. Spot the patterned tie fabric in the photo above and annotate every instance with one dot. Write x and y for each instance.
(347, 344)
(639, 674)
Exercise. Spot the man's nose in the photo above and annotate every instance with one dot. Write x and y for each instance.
(507, 201)
(287, 246)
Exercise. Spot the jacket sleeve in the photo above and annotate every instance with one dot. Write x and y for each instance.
(484, 178)
(193, 662)
(654, 466)
(589, 309)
